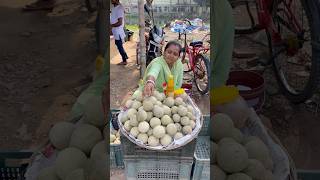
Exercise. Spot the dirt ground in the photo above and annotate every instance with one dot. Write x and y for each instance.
(123, 79)
(46, 58)
(296, 125)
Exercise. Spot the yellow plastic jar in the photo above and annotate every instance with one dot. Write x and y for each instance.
(226, 99)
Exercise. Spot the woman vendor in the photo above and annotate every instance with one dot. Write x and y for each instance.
(159, 70)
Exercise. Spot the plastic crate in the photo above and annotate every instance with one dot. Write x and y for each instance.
(205, 127)
(116, 156)
(13, 164)
(113, 161)
(201, 169)
(116, 152)
(131, 150)
(157, 169)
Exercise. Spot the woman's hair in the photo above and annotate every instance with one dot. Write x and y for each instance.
(174, 43)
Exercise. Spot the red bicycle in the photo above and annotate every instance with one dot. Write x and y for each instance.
(292, 28)
(194, 60)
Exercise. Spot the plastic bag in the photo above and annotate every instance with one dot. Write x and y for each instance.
(281, 167)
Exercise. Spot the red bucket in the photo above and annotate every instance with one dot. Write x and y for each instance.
(251, 87)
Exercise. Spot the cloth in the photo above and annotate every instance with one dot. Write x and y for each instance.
(179, 26)
(159, 69)
(119, 44)
(116, 13)
(223, 37)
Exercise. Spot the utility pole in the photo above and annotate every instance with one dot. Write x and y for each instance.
(142, 44)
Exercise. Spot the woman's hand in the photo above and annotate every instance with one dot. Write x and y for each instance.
(148, 89)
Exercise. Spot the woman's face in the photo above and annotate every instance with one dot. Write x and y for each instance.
(171, 54)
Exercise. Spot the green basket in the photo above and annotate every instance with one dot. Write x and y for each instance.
(116, 156)
(205, 127)
(201, 169)
(13, 164)
(112, 160)
(116, 152)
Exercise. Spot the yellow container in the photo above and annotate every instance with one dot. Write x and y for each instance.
(178, 92)
(223, 94)
(170, 86)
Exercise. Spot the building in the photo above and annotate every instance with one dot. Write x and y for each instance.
(171, 8)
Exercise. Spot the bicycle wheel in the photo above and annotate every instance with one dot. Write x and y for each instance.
(296, 59)
(201, 73)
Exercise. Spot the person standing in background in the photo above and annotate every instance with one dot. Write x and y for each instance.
(117, 26)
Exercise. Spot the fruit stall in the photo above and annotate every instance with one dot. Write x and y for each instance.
(168, 137)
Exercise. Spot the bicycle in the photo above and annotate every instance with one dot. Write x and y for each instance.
(197, 62)
(292, 38)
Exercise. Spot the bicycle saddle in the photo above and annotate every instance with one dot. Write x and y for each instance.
(196, 43)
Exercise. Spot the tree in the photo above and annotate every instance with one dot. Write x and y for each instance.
(142, 44)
